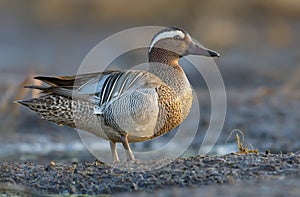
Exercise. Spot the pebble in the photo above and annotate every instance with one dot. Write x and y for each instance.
(100, 178)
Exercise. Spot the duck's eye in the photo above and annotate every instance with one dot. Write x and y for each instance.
(177, 37)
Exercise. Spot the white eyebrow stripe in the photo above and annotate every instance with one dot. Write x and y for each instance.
(188, 37)
(166, 34)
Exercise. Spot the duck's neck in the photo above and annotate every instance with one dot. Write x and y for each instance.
(165, 65)
(165, 57)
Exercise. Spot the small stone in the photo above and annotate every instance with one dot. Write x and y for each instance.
(52, 163)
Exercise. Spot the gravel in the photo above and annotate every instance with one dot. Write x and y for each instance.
(159, 176)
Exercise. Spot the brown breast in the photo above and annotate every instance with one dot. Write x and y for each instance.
(170, 115)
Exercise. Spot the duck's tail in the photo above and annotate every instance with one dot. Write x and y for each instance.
(51, 107)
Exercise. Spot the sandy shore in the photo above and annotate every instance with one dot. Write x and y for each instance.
(231, 173)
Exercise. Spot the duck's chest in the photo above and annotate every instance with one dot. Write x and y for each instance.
(172, 110)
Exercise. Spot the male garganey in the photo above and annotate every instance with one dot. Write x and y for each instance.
(125, 106)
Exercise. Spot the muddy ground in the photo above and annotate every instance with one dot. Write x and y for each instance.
(176, 176)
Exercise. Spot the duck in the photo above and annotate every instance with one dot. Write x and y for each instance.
(124, 106)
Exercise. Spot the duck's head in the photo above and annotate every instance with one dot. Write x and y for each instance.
(176, 43)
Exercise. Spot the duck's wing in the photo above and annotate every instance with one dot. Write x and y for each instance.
(98, 88)
(68, 86)
(116, 84)
(72, 82)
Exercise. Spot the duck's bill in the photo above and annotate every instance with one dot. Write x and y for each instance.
(194, 49)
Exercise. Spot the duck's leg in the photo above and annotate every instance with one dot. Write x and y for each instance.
(127, 148)
(114, 152)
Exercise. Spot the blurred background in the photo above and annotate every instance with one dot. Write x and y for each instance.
(260, 64)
